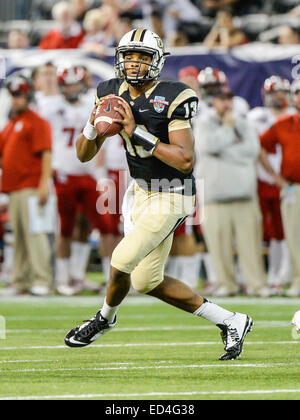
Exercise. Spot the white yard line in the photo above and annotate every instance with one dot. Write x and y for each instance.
(59, 361)
(194, 366)
(77, 301)
(28, 361)
(153, 394)
(154, 344)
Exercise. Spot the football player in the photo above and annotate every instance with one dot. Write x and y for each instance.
(75, 184)
(159, 146)
(275, 95)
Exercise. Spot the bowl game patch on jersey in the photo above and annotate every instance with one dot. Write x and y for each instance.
(159, 103)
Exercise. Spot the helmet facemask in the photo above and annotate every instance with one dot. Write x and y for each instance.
(273, 100)
(270, 92)
(154, 68)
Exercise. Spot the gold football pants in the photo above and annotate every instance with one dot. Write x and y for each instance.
(143, 252)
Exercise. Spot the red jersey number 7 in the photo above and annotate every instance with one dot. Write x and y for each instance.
(71, 132)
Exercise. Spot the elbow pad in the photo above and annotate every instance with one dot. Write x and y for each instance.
(145, 139)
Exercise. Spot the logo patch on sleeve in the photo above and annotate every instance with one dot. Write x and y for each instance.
(159, 103)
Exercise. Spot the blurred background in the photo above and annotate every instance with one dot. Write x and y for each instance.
(242, 44)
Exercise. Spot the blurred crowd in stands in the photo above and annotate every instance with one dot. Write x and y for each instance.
(95, 25)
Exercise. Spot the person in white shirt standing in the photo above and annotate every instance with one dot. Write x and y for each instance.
(227, 148)
(209, 80)
(275, 94)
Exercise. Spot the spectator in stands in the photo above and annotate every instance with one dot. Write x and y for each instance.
(288, 36)
(227, 147)
(178, 39)
(98, 34)
(179, 16)
(79, 8)
(68, 33)
(239, 7)
(131, 9)
(17, 39)
(42, 9)
(224, 33)
(286, 132)
(25, 149)
(167, 16)
(121, 28)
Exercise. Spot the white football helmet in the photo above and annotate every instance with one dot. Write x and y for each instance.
(211, 82)
(140, 40)
(272, 85)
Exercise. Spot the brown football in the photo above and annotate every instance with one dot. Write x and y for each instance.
(105, 113)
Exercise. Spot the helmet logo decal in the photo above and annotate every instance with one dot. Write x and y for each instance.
(159, 43)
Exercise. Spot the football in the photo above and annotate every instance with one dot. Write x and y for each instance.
(296, 320)
(105, 114)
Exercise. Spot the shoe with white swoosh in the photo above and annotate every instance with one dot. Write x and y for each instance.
(233, 333)
(88, 332)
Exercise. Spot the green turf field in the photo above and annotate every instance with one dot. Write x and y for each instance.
(155, 352)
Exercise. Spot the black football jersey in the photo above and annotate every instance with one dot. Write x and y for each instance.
(154, 111)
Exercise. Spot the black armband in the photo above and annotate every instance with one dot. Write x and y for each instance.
(145, 139)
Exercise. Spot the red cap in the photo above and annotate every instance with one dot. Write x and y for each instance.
(188, 71)
(71, 75)
(18, 84)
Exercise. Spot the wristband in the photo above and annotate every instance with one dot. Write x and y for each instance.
(145, 139)
(89, 131)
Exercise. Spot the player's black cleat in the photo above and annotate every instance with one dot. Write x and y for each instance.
(88, 332)
(233, 333)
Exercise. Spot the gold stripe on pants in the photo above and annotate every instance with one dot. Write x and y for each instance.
(144, 251)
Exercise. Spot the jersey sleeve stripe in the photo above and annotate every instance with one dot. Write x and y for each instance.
(123, 88)
(179, 125)
(182, 97)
